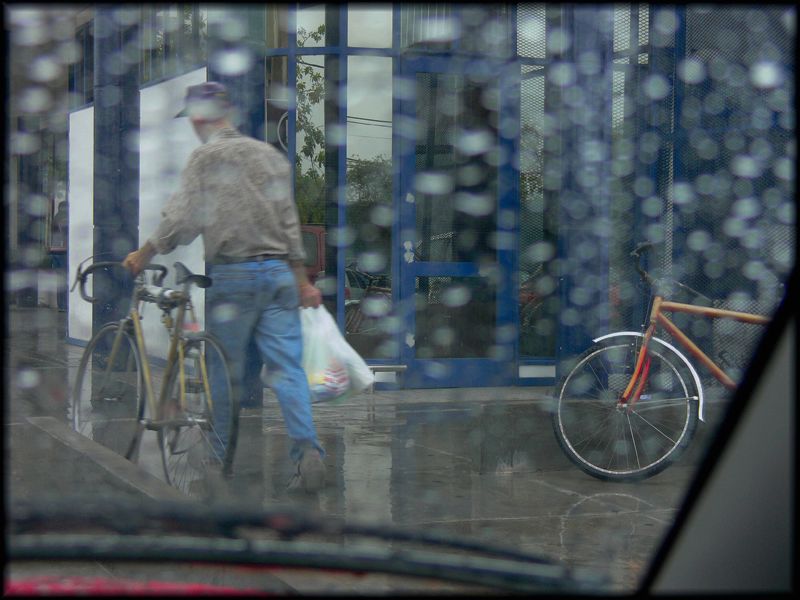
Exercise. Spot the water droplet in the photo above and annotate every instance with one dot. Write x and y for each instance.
(746, 166)
(656, 87)
(433, 183)
(457, 295)
(477, 205)
(698, 240)
(692, 70)
(540, 252)
(224, 312)
(766, 74)
(28, 379)
(232, 61)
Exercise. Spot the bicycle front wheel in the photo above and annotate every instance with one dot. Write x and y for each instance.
(204, 413)
(108, 397)
(619, 443)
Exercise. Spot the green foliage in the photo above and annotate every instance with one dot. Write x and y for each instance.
(369, 181)
(310, 181)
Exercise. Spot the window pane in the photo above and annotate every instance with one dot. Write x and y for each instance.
(455, 317)
(277, 26)
(311, 26)
(369, 25)
(369, 206)
(277, 102)
(310, 136)
(455, 216)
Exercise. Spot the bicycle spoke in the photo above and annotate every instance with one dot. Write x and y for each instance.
(604, 438)
(633, 441)
(655, 428)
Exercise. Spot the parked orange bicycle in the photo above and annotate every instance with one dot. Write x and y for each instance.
(630, 405)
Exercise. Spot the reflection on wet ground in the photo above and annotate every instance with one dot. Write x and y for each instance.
(479, 462)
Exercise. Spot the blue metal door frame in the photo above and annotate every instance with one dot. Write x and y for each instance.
(501, 368)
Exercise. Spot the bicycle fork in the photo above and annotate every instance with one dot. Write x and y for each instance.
(641, 371)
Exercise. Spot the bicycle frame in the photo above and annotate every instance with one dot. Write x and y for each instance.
(657, 318)
(174, 357)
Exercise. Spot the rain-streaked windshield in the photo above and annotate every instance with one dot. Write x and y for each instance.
(547, 240)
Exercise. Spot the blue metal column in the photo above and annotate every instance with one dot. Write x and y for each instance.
(116, 161)
(585, 80)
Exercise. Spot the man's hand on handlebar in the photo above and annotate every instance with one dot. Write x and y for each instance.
(139, 259)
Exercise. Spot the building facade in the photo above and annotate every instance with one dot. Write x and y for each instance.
(474, 176)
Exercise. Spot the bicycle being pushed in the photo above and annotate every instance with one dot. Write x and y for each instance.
(194, 413)
(630, 405)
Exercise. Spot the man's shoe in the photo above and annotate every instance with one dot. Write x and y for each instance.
(311, 470)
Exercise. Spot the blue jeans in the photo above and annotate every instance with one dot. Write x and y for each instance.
(259, 301)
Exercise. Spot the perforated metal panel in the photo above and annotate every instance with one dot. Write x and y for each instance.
(531, 29)
(736, 133)
(533, 223)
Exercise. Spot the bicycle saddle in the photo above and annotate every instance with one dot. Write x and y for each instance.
(184, 275)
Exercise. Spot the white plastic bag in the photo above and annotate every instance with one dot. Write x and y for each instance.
(333, 368)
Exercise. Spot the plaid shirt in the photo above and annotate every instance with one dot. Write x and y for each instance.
(237, 192)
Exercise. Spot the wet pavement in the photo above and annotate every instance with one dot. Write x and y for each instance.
(482, 463)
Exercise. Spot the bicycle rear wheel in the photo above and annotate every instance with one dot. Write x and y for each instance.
(108, 396)
(616, 443)
(206, 423)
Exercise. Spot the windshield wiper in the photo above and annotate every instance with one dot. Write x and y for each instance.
(219, 534)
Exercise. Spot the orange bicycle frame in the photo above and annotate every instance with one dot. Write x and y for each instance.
(657, 317)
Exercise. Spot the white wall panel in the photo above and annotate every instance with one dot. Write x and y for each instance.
(165, 146)
(80, 193)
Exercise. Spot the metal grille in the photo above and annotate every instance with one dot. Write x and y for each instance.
(622, 28)
(644, 24)
(421, 23)
(531, 30)
(750, 247)
(533, 228)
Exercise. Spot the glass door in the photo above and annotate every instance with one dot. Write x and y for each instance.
(454, 260)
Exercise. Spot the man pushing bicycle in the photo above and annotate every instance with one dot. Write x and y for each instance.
(236, 192)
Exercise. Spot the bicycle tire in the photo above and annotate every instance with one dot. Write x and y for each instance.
(107, 407)
(188, 451)
(619, 444)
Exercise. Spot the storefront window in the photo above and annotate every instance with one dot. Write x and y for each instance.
(310, 148)
(277, 102)
(369, 206)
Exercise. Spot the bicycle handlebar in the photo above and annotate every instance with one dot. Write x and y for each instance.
(637, 254)
(662, 286)
(82, 275)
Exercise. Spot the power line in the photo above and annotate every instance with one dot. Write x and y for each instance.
(369, 124)
(367, 119)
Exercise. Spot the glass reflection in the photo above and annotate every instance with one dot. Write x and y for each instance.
(455, 317)
(310, 153)
(277, 102)
(311, 21)
(455, 191)
(369, 205)
(277, 26)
